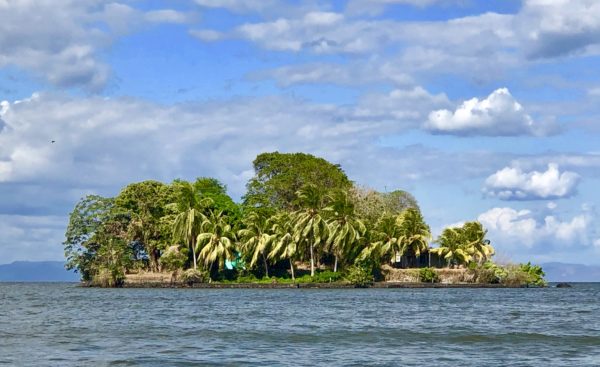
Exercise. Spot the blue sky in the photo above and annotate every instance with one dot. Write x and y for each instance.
(484, 110)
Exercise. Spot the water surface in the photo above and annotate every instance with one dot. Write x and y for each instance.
(63, 325)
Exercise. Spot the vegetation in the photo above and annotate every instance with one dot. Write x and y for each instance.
(301, 220)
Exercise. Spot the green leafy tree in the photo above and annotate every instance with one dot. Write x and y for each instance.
(146, 203)
(345, 230)
(216, 242)
(310, 228)
(81, 245)
(279, 176)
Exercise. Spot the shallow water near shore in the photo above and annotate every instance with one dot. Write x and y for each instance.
(60, 324)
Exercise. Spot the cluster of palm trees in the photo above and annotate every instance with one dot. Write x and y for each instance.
(462, 245)
(322, 226)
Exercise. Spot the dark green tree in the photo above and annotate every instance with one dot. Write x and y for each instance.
(279, 176)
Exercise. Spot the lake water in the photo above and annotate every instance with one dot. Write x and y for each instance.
(63, 325)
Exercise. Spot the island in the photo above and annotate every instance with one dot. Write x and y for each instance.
(301, 223)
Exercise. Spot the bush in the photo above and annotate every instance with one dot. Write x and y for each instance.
(192, 276)
(173, 259)
(535, 274)
(109, 278)
(327, 277)
(428, 275)
(359, 276)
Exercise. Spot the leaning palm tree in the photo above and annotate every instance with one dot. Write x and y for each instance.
(190, 207)
(284, 246)
(452, 247)
(414, 233)
(310, 228)
(255, 239)
(345, 230)
(216, 242)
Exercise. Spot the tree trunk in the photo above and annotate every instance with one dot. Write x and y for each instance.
(335, 264)
(266, 265)
(194, 254)
(292, 268)
(312, 260)
(429, 259)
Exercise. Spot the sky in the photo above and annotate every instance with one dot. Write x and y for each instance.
(484, 110)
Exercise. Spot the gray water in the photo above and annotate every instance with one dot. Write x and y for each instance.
(63, 325)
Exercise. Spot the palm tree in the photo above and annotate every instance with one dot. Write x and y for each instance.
(386, 238)
(476, 243)
(310, 227)
(255, 239)
(216, 241)
(187, 224)
(452, 247)
(284, 245)
(345, 230)
(414, 232)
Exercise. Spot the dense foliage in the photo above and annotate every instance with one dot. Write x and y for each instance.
(301, 220)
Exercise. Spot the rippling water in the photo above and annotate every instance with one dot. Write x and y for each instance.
(63, 325)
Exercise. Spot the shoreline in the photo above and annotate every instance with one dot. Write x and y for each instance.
(380, 285)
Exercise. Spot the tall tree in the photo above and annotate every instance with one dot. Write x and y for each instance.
(146, 203)
(279, 176)
(284, 244)
(345, 230)
(216, 242)
(310, 227)
(80, 243)
(255, 239)
(188, 222)
(414, 232)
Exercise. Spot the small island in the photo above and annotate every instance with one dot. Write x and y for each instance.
(301, 223)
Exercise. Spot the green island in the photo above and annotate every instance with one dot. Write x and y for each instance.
(302, 223)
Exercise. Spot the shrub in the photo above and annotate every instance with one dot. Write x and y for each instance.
(192, 276)
(327, 277)
(173, 259)
(535, 274)
(428, 275)
(359, 276)
(109, 278)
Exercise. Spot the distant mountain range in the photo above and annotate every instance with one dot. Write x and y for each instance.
(54, 271)
(36, 271)
(561, 272)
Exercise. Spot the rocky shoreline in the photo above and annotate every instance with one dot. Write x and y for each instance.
(335, 285)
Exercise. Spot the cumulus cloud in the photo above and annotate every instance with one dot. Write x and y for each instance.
(512, 183)
(59, 40)
(507, 225)
(497, 115)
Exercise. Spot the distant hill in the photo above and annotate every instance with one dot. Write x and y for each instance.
(36, 271)
(561, 272)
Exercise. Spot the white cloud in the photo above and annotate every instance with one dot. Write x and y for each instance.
(375, 7)
(59, 40)
(552, 28)
(359, 73)
(497, 115)
(551, 205)
(512, 183)
(507, 225)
